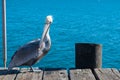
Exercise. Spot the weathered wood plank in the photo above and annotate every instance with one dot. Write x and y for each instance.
(27, 75)
(8, 75)
(2, 73)
(107, 74)
(116, 72)
(55, 75)
(81, 74)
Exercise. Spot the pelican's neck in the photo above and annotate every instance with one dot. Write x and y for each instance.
(46, 40)
(45, 31)
(47, 36)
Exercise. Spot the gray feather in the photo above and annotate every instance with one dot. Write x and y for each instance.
(26, 53)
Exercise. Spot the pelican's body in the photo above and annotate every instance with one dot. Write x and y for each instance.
(33, 51)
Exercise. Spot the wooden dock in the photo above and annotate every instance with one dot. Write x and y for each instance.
(61, 74)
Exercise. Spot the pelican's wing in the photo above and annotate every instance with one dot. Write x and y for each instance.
(25, 53)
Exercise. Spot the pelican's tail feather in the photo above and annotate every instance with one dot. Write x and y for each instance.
(11, 65)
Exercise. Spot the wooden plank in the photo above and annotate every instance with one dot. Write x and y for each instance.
(107, 74)
(55, 75)
(8, 75)
(81, 74)
(116, 72)
(3, 73)
(27, 75)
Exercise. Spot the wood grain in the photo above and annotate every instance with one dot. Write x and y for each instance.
(25, 74)
(55, 75)
(107, 74)
(81, 74)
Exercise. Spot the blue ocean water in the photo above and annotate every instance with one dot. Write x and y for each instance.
(80, 21)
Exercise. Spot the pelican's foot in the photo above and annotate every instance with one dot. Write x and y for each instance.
(35, 69)
(31, 69)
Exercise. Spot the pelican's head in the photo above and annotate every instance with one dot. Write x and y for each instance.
(49, 19)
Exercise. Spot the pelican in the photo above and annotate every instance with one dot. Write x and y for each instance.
(33, 51)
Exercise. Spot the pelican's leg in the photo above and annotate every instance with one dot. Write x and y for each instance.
(31, 69)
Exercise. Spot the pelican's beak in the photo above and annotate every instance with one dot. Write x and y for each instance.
(46, 28)
(49, 20)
